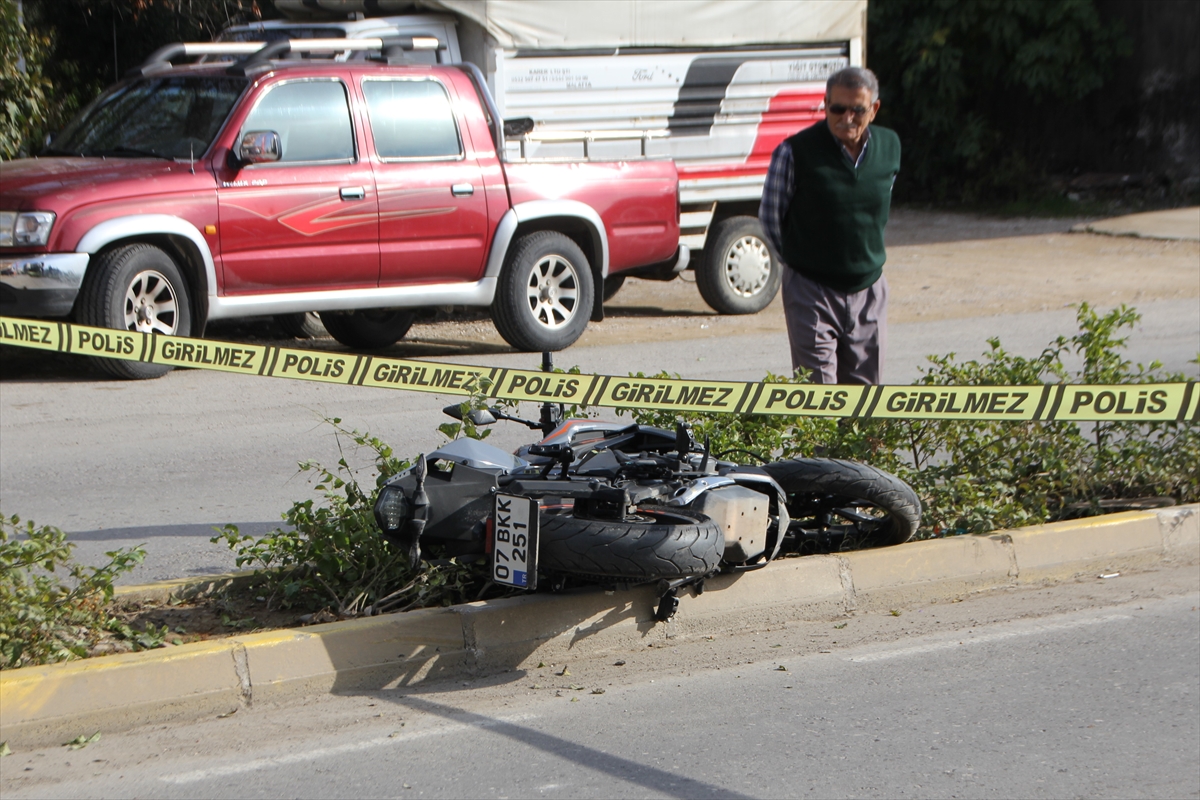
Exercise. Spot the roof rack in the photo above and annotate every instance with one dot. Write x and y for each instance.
(586, 138)
(258, 55)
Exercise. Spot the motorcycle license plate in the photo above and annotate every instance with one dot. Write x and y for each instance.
(515, 543)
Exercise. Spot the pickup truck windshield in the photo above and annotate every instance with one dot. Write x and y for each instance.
(168, 117)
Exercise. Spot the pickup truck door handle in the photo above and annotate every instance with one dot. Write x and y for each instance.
(353, 193)
(462, 189)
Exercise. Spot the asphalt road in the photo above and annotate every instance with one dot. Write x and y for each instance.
(1086, 689)
(162, 462)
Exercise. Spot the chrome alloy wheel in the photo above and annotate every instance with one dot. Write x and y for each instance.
(553, 291)
(747, 266)
(150, 304)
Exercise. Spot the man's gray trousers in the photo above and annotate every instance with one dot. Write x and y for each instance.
(840, 336)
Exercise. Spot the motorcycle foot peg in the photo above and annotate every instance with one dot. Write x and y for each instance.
(668, 604)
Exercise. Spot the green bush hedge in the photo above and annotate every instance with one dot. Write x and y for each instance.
(44, 618)
(977, 476)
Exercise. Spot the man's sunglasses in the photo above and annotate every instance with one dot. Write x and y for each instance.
(838, 110)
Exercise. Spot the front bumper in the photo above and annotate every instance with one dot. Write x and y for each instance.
(41, 285)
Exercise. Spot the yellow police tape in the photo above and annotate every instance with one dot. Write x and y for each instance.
(1153, 402)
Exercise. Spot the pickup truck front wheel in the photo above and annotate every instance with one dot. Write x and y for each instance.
(137, 287)
(544, 297)
(369, 329)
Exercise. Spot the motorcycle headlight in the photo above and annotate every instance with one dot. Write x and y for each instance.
(391, 509)
(25, 228)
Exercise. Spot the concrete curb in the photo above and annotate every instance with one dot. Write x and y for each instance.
(52, 704)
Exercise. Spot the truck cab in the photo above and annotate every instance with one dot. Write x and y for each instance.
(363, 189)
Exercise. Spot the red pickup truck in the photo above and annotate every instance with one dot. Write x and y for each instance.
(259, 185)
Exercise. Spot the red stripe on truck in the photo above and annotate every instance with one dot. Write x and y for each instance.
(787, 113)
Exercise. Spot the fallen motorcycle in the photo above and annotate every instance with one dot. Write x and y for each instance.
(629, 504)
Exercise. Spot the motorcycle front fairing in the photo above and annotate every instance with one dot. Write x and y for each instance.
(445, 499)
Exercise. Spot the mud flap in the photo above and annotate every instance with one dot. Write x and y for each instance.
(597, 296)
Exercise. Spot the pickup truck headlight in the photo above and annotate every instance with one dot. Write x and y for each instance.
(25, 228)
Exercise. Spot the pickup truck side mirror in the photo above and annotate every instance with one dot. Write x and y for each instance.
(518, 126)
(259, 147)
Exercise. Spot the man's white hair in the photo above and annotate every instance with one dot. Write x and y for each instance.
(854, 78)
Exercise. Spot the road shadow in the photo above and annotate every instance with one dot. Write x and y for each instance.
(649, 778)
(441, 338)
(143, 532)
(648, 312)
(488, 643)
(432, 650)
(21, 364)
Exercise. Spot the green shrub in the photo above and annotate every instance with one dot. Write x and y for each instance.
(970, 88)
(44, 619)
(25, 92)
(979, 476)
(331, 554)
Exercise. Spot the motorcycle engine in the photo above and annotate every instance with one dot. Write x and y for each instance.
(743, 516)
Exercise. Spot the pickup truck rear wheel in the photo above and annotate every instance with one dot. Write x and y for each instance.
(369, 329)
(137, 287)
(544, 296)
(302, 325)
(738, 274)
(612, 285)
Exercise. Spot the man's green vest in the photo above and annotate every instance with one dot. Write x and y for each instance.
(833, 231)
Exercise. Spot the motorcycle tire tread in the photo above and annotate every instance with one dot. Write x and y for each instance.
(851, 479)
(630, 551)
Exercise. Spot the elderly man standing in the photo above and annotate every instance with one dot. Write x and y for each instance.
(824, 207)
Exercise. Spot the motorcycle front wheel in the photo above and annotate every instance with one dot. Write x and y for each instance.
(845, 504)
(655, 543)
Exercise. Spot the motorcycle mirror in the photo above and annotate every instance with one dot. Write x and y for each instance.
(478, 416)
(482, 416)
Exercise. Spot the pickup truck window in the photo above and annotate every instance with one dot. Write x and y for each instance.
(175, 117)
(312, 118)
(411, 119)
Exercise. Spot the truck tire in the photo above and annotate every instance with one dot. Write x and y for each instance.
(655, 543)
(545, 293)
(136, 287)
(369, 329)
(612, 285)
(738, 274)
(833, 496)
(301, 325)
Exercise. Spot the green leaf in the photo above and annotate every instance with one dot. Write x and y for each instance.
(82, 741)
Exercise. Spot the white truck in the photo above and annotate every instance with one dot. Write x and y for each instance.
(714, 85)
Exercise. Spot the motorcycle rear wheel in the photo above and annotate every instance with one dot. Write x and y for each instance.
(863, 505)
(653, 544)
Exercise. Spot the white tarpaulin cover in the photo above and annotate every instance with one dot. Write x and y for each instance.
(576, 24)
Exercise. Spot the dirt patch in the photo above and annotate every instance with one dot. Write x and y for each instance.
(175, 621)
